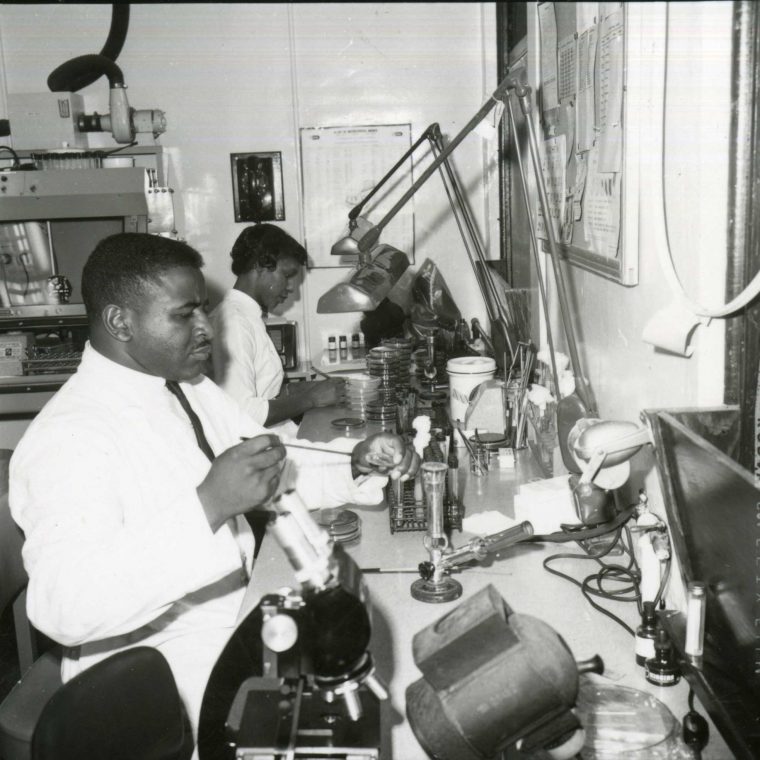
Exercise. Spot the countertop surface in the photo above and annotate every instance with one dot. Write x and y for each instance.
(516, 573)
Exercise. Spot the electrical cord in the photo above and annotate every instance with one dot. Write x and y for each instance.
(598, 584)
(659, 200)
(569, 533)
(696, 732)
(16, 160)
(612, 572)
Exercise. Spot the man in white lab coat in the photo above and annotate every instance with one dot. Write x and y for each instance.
(131, 483)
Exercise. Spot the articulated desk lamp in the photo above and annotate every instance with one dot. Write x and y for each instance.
(602, 450)
(381, 266)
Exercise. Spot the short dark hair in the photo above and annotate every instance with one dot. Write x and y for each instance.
(121, 266)
(262, 246)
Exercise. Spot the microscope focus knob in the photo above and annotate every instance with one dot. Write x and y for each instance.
(279, 632)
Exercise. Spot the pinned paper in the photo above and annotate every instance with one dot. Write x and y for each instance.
(160, 211)
(671, 329)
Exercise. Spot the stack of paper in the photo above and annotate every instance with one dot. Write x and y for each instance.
(546, 503)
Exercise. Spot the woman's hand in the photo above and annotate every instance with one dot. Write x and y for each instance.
(324, 392)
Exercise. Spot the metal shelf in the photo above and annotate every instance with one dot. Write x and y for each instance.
(33, 383)
(40, 316)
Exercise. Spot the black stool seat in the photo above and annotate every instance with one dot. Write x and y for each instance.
(124, 708)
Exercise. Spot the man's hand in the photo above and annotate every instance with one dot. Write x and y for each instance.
(324, 392)
(241, 478)
(387, 454)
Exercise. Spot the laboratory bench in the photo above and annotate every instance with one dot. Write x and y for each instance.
(516, 573)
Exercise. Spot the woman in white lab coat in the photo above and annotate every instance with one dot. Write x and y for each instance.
(268, 263)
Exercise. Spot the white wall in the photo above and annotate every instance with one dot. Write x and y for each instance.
(245, 77)
(626, 374)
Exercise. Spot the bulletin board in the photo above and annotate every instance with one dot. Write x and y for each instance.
(588, 167)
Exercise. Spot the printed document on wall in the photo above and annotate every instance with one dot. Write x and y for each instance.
(341, 166)
(609, 117)
(548, 28)
(601, 208)
(553, 166)
(585, 112)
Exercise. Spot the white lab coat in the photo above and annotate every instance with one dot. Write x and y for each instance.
(246, 363)
(118, 549)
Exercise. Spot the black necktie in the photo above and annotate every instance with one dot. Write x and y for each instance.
(200, 436)
(256, 519)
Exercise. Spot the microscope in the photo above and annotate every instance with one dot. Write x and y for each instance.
(317, 694)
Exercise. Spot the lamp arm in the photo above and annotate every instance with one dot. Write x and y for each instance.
(449, 185)
(370, 238)
(467, 230)
(584, 389)
(356, 210)
(592, 467)
(534, 248)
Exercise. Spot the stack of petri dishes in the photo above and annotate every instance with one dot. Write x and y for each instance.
(403, 349)
(342, 525)
(382, 363)
(382, 412)
(361, 390)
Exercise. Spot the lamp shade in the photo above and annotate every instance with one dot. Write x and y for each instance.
(368, 285)
(602, 449)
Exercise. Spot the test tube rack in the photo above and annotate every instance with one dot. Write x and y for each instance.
(410, 515)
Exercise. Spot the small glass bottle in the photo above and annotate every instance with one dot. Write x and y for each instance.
(662, 669)
(343, 347)
(355, 346)
(332, 349)
(695, 622)
(646, 633)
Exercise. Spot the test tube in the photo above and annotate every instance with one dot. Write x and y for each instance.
(695, 621)
(434, 480)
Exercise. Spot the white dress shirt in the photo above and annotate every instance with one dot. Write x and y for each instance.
(246, 363)
(118, 548)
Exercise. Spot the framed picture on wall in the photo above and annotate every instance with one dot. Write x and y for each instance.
(257, 187)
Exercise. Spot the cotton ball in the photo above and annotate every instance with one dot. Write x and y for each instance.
(566, 383)
(540, 396)
(421, 426)
(562, 360)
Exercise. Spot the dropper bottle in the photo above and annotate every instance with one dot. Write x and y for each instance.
(662, 669)
(646, 634)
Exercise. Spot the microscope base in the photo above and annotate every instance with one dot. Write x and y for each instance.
(445, 590)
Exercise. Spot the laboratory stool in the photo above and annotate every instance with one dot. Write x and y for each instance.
(125, 707)
(21, 709)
